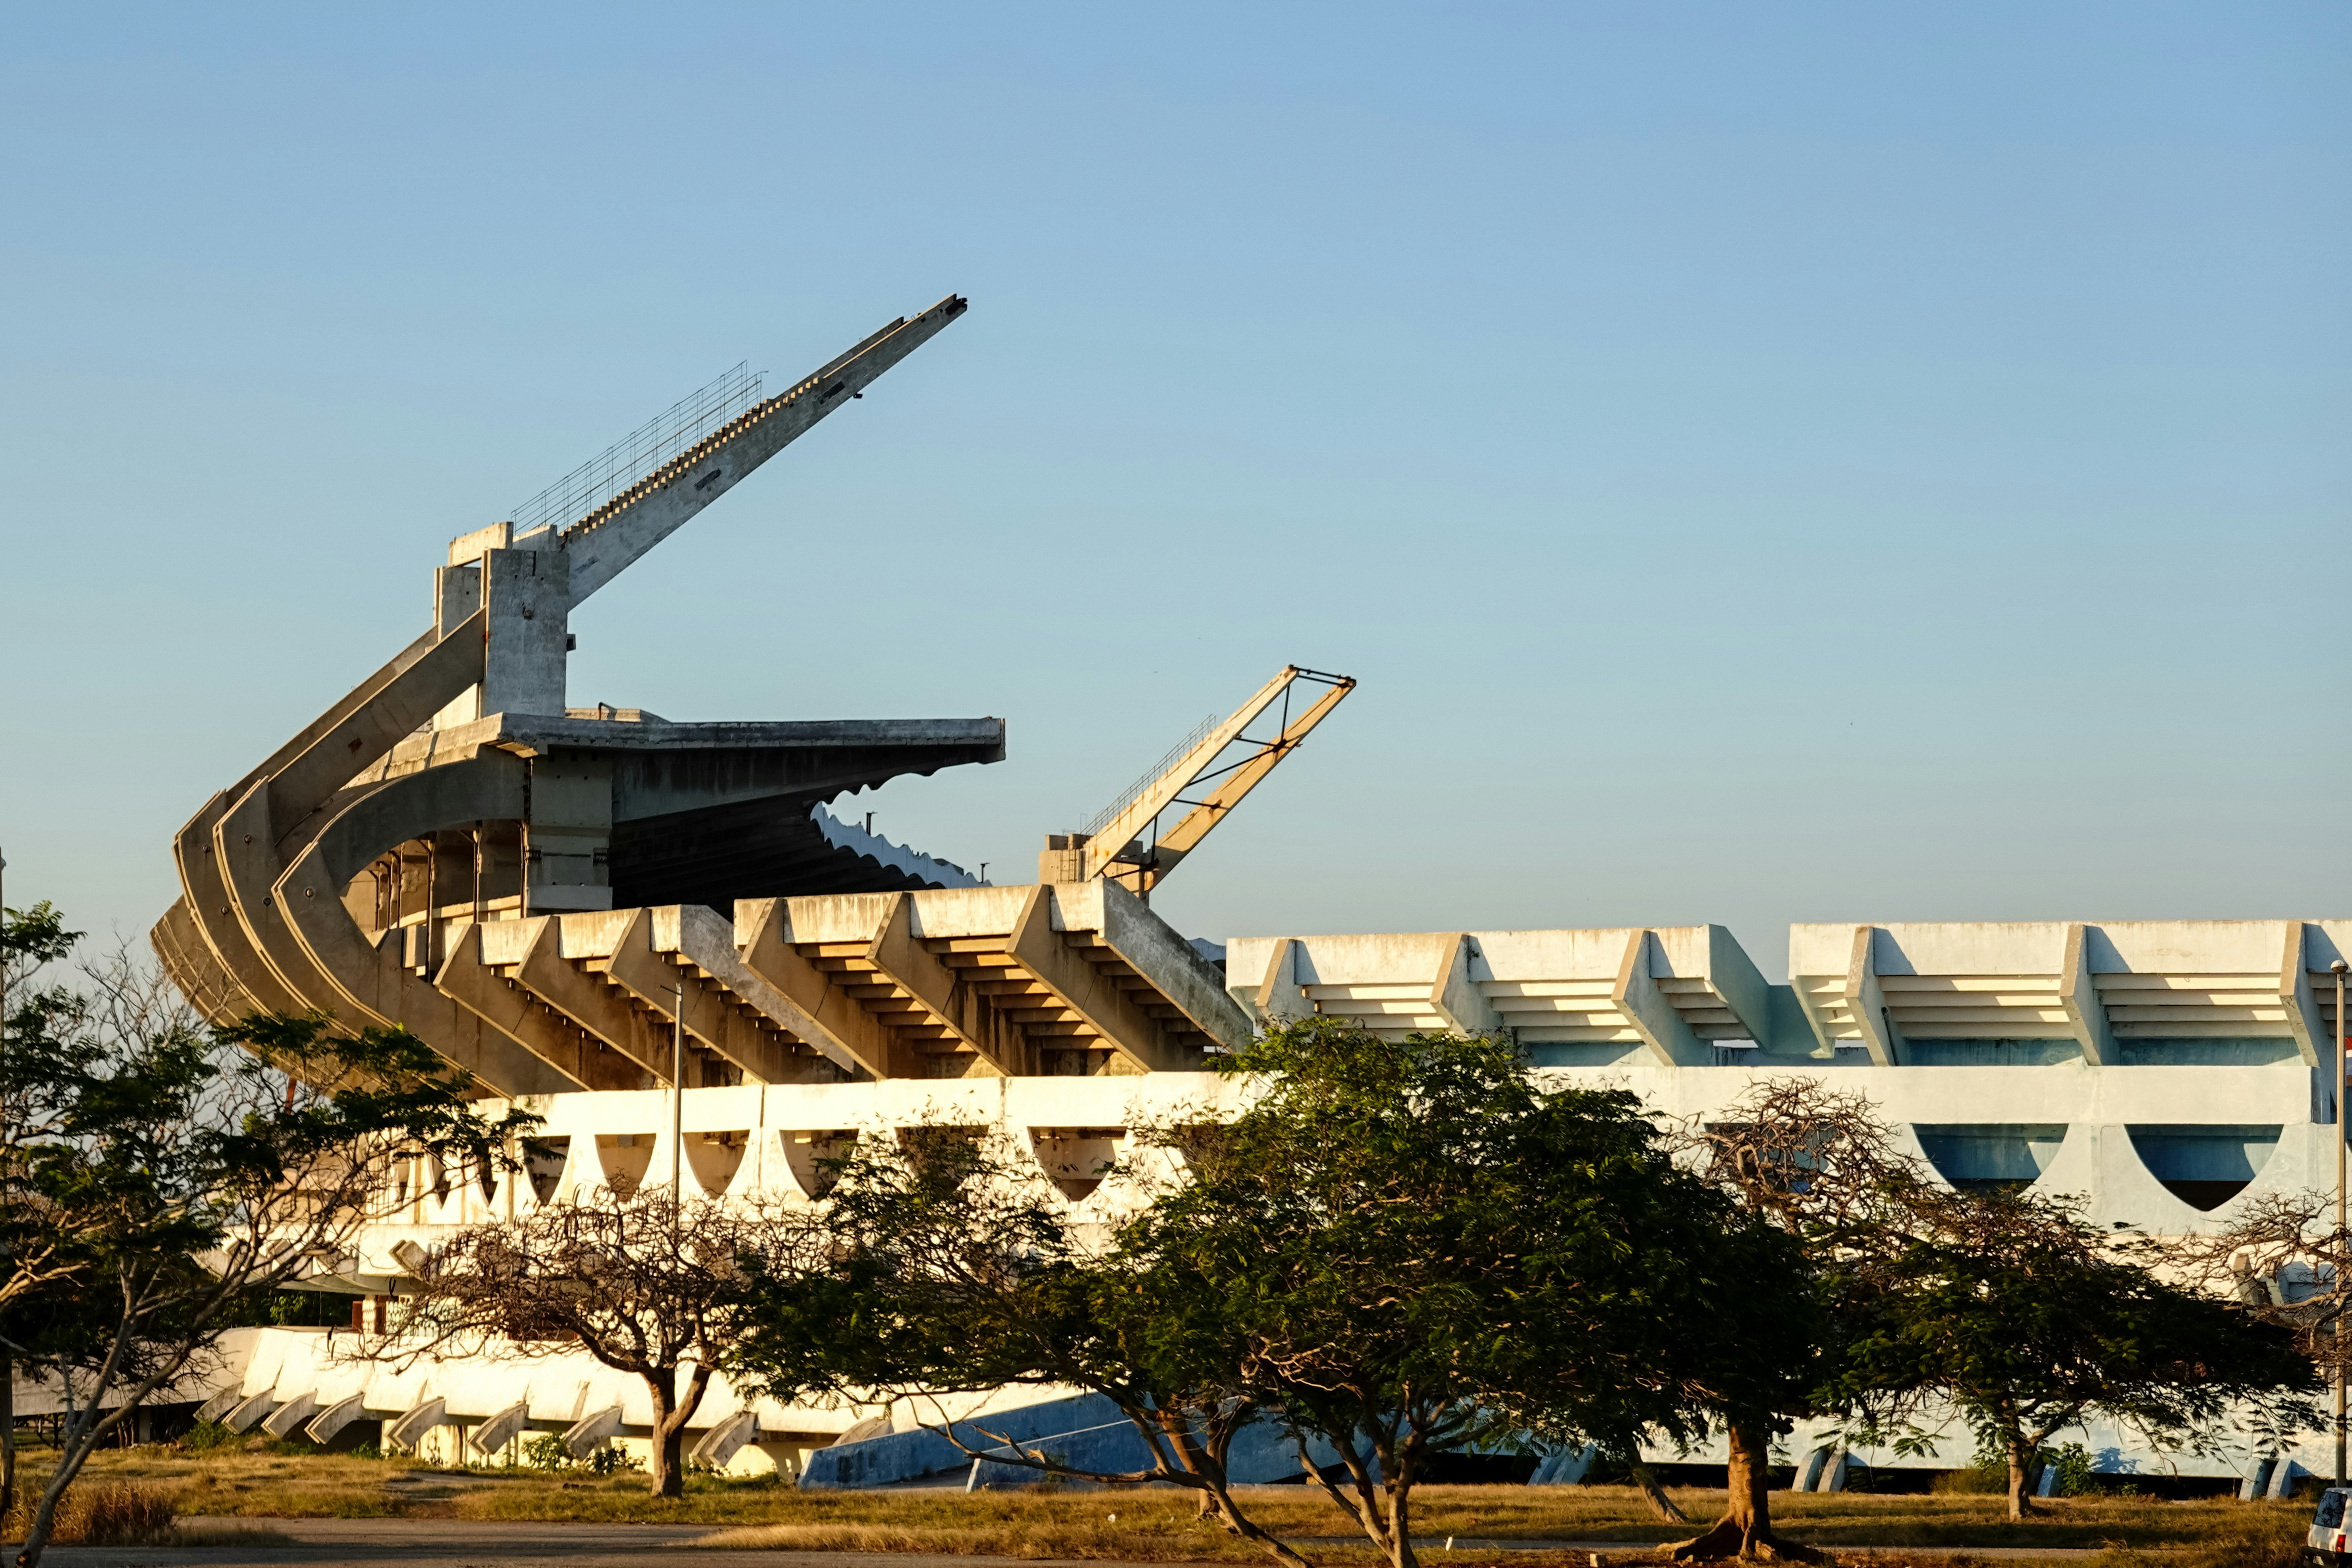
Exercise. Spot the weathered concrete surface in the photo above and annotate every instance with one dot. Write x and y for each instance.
(453, 788)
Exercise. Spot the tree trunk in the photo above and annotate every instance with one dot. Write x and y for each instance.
(1362, 1501)
(2020, 1466)
(664, 1473)
(7, 1436)
(1745, 1531)
(1206, 1462)
(669, 1459)
(1401, 1554)
(73, 1449)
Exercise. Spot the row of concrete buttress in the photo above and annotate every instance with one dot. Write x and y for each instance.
(1073, 979)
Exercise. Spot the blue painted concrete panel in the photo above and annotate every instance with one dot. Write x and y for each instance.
(898, 1457)
(1113, 1448)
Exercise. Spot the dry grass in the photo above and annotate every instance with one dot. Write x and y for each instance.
(100, 1513)
(1159, 1524)
(322, 1486)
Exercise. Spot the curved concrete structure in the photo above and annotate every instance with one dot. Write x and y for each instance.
(452, 788)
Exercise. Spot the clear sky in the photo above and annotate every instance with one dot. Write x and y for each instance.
(1764, 463)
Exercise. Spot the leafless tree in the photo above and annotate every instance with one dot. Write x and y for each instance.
(2280, 1259)
(641, 1284)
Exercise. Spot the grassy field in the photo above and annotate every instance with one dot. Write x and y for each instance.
(1160, 1524)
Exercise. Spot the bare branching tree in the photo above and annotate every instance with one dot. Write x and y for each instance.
(644, 1285)
(2281, 1261)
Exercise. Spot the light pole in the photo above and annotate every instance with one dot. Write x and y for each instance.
(2338, 967)
(678, 1104)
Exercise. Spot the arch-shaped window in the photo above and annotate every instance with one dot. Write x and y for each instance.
(542, 1164)
(2204, 1166)
(1075, 1159)
(808, 1155)
(1980, 1154)
(624, 1159)
(714, 1157)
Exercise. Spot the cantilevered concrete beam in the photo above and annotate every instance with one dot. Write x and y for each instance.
(724, 1000)
(542, 1029)
(204, 891)
(1645, 1006)
(763, 939)
(900, 956)
(1734, 977)
(1867, 1001)
(1101, 1006)
(1278, 998)
(366, 982)
(269, 824)
(542, 969)
(1454, 996)
(2302, 1008)
(194, 967)
(606, 541)
(1146, 944)
(2078, 994)
(663, 983)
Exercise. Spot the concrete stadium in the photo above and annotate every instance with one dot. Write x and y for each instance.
(659, 936)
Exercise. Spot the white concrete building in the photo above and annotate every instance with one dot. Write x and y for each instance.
(555, 898)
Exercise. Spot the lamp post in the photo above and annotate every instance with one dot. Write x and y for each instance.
(677, 1104)
(2338, 966)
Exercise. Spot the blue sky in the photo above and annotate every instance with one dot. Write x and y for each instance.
(1764, 463)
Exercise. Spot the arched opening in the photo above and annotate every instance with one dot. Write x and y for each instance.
(542, 1162)
(1980, 1155)
(624, 1157)
(714, 1157)
(1076, 1158)
(2204, 1166)
(813, 1156)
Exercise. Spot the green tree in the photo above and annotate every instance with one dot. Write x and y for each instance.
(2027, 1319)
(172, 1171)
(1821, 1167)
(956, 1269)
(40, 1058)
(1420, 1249)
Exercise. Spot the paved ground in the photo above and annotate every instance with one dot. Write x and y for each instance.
(469, 1543)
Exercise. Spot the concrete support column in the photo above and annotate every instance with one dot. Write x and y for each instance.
(570, 833)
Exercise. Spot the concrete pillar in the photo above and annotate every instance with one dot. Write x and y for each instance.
(570, 830)
(528, 593)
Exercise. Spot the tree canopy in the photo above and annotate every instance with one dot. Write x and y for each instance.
(155, 1174)
(642, 1283)
(1419, 1247)
(2027, 1318)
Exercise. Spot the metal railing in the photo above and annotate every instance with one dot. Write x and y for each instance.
(642, 450)
(1127, 797)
